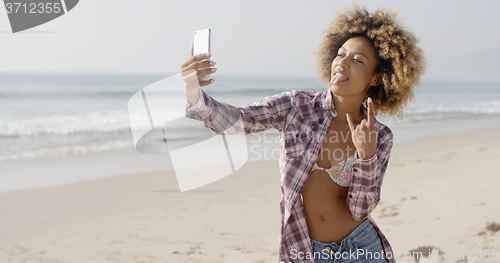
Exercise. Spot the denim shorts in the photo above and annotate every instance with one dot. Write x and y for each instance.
(361, 245)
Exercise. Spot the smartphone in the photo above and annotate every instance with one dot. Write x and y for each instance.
(202, 45)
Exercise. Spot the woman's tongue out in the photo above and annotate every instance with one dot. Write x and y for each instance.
(338, 78)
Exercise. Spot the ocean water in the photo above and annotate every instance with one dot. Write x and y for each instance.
(68, 114)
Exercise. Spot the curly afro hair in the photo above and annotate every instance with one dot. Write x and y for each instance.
(401, 62)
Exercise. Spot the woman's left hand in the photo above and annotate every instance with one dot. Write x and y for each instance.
(364, 136)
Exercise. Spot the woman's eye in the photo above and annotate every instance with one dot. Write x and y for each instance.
(357, 60)
(340, 55)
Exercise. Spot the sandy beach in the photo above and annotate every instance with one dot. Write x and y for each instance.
(440, 192)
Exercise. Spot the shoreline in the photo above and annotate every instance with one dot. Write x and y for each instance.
(23, 174)
(439, 192)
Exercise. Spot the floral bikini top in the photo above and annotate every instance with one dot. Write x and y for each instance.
(340, 172)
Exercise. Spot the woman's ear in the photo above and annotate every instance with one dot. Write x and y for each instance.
(375, 80)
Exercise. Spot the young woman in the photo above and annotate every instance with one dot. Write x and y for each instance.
(334, 152)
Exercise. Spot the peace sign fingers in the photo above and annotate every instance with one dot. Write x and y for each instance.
(363, 135)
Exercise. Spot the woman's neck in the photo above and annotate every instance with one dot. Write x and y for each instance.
(348, 104)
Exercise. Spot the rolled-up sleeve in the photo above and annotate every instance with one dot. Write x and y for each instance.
(364, 192)
(199, 106)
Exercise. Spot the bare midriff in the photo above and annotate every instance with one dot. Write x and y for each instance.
(325, 203)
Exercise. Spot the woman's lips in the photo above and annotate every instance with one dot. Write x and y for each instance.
(338, 78)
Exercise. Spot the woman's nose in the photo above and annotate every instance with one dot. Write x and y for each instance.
(341, 63)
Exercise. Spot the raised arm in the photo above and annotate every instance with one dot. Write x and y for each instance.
(227, 119)
(224, 118)
(364, 192)
(373, 151)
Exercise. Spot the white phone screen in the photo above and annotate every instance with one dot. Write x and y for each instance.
(202, 44)
(201, 41)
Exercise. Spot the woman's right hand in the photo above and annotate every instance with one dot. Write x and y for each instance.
(191, 71)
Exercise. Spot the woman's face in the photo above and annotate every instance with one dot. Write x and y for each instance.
(353, 69)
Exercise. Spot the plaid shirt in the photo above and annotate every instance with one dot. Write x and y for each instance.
(302, 119)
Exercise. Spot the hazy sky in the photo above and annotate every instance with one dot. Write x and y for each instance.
(461, 39)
